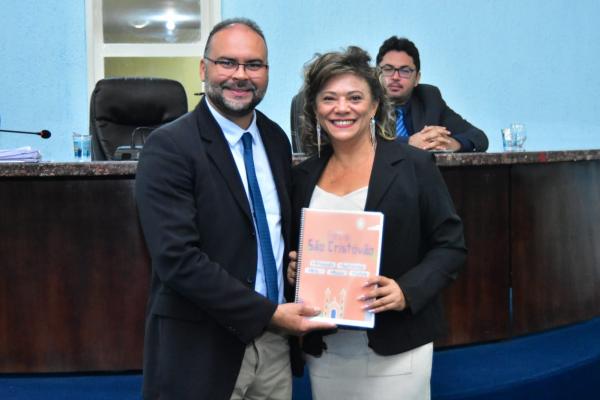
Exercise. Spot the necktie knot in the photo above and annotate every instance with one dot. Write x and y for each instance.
(247, 141)
(399, 112)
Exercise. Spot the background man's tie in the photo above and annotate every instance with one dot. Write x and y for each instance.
(400, 127)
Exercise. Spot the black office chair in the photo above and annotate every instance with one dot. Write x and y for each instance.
(120, 105)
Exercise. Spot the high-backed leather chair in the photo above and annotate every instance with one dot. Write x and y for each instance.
(120, 105)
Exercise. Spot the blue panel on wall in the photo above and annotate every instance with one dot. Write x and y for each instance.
(43, 74)
(496, 62)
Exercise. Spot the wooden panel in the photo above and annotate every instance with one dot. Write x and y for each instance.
(74, 270)
(555, 222)
(73, 277)
(477, 304)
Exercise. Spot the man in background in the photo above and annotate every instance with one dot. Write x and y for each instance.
(423, 119)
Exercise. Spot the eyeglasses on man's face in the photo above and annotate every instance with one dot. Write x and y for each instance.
(232, 65)
(389, 70)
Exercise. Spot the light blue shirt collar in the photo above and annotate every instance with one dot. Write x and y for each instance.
(233, 133)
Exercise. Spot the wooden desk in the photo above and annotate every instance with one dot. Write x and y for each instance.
(74, 270)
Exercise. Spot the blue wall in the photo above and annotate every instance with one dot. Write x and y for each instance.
(43, 73)
(495, 61)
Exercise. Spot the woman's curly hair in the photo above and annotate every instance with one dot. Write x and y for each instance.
(323, 67)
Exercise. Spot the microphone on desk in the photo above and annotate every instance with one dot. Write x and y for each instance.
(45, 134)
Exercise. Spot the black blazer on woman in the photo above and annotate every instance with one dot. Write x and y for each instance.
(423, 246)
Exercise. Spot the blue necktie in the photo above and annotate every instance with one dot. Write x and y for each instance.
(260, 216)
(400, 127)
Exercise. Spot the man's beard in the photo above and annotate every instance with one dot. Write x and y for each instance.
(214, 91)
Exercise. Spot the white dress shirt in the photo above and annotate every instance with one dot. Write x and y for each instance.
(233, 134)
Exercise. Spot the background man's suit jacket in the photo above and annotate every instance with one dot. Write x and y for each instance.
(427, 107)
(423, 246)
(196, 220)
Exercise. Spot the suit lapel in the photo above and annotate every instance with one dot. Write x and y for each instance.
(217, 150)
(383, 174)
(279, 165)
(313, 170)
(417, 113)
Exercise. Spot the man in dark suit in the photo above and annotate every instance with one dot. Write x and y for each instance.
(423, 119)
(212, 194)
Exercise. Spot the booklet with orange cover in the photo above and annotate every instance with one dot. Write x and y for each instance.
(338, 252)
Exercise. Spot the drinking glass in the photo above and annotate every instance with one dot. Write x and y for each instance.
(519, 133)
(82, 147)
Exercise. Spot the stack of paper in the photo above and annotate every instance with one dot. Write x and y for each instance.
(20, 154)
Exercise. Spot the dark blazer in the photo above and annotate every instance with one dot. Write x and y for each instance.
(427, 107)
(196, 220)
(423, 246)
